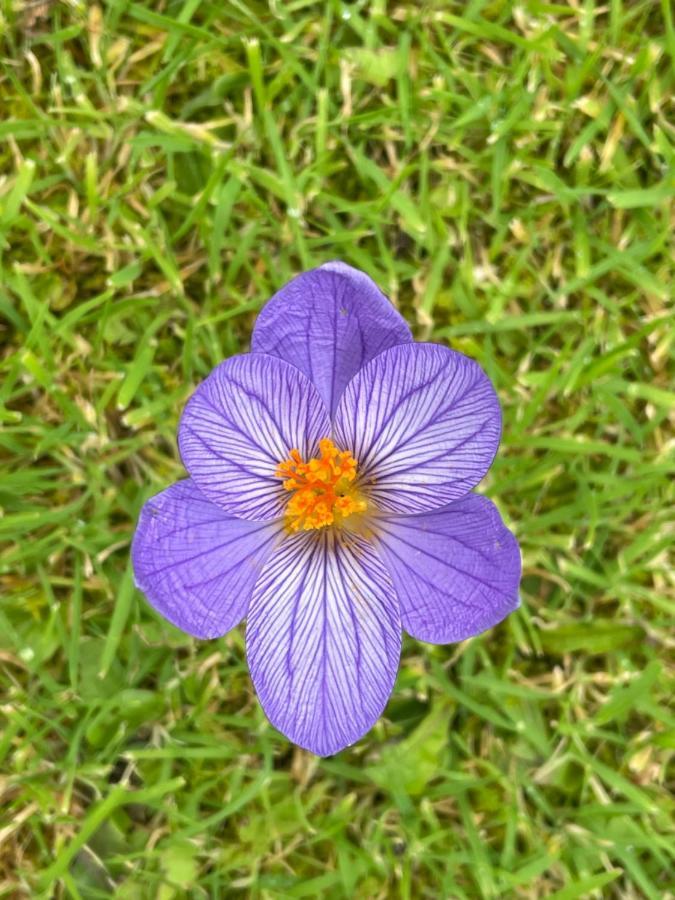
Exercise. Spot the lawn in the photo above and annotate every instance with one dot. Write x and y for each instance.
(506, 173)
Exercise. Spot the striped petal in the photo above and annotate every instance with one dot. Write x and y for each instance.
(329, 322)
(456, 570)
(423, 422)
(240, 423)
(195, 563)
(323, 639)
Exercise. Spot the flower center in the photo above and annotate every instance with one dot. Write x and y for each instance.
(323, 488)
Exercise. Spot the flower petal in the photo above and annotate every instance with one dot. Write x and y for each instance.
(329, 322)
(195, 563)
(423, 422)
(323, 639)
(240, 423)
(456, 570)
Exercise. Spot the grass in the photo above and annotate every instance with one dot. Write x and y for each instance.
(506, 173)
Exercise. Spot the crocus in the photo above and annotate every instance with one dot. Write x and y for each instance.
(329, 504)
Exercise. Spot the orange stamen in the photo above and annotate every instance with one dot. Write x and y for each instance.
(323, 491)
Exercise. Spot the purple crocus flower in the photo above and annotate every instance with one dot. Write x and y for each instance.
(329, 503)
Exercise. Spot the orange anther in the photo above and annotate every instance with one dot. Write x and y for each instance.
(323, 489)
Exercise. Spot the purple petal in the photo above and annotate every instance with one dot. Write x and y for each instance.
(329, 322)
(240, 423)
(456, 570)
(196, 564)
(323, 639)
(423, 423)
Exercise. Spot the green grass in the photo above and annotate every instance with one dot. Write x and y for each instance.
(506, 173)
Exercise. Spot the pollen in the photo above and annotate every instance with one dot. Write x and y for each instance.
(323, 489)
